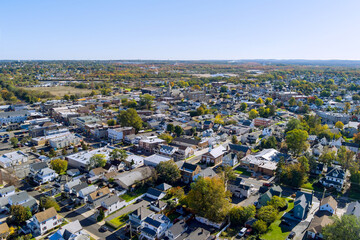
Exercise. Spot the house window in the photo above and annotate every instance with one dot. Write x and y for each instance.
(44, 228)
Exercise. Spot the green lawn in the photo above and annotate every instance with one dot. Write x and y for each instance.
(173, 216)
(119, 221)
(243, 171)
(134, 194)
(275, 232)
(355, 194)
(307, 186)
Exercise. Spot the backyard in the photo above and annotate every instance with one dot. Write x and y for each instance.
(275, 231)
(118, 221)
(242, 171)
(134, 194)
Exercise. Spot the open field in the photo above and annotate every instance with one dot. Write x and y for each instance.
(60, 91)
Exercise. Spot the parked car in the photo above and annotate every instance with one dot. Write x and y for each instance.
(267, 184)
(104, 228)
(291, 236)
(242, 232)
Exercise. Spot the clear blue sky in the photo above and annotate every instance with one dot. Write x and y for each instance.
(179, 29)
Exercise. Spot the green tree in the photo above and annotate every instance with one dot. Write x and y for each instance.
(84, 146)
(292, 102)
(59, 166)
(52, 152)
(14, 141)
(47, 202)
(293, 175)
(130, 118)
(319, 102)
(268, 101)
(260, 226)
(167, 137)
(347, 107)
(226, 173)
(253, 114)
(101, 215)
(63, 152)
(224, 88)
(243, 106)
(270, 142)
(170, 128)
(267, 214)
(111, 122)
(293, 123)
(277, 202)
(346, 228)
(20, 214)
(296, 141)
(339, 125)
(146, 101)
(168, 171)
(239, 215)
(118, 154)
(328, 157)
(98, 160)
(259, 101)
(209, 199)
(234, 140)
(66, 97)
(75, 150)
(178, 131)
(346, 157)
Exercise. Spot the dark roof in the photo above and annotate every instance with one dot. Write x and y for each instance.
(178, 228)
(308, 196)
(149, 231)
(348, 144)
(155, 192)
(238, 148)
(152, 222)
(337, 171)
(80, 186)
(38, 166)
(189, 166)
(142, 212)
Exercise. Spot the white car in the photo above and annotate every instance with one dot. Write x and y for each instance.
(242, 232)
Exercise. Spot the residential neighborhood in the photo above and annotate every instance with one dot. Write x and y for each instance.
(173, 159)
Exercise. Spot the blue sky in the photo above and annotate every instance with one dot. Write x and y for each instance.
(179, 29)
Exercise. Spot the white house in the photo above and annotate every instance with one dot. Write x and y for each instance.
(84, 193)
(44, 221)
(135, 161)
(69, 185)
(155, 194)
(335, 177)
(45, 175)
(7, 191)
(82, 159)
(238, 188)
(13, 158)
(112, 204)
(328, 204)
(154, 227)
(155, 159)
(71, 231)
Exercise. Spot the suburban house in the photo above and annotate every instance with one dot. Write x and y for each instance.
(75, 190)
(45, 175)
(4, 230)
(155, 194)
(317, 223)
(302, 204)
(71, 231)
(155, 159)
(273, 191)
(154, 227)
(213, 156)
(328, 204)
(334, 177)
(23, 199)
(176, 230)
(69, 185)
(85, 192)
(7, 191)
(240, 150)
(44, 221)
(37, 167)
(230, 159)
(97, 172)
(188, 171)
(158, 206)
(137, 217)
(134, 161)
(264, 122)
(238, 188)
(111, 204)
(118, 134)
(353, 209)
